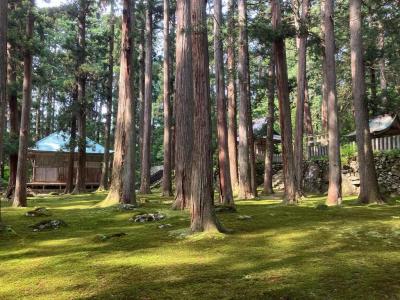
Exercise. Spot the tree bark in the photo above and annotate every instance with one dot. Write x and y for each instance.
(80, 184)
(308, 126)
(142, 79)
(183, 106)
(301, 20)
(69, 185)
(231, 96)
(369, 190)
(269, 143)
(3, 79)
(107, 129)
(245, 187)
(167, 170)
(145, 166)
(382, 72)
(20, 196)
(335, 175)
(324, 102)
(225, 186)
(284, 107)
(203, 217)
(122, 188)
(14, 116)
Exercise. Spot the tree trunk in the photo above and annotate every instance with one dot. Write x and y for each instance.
(226, 196)
(167, 170)
(284, 107)
(308, 127)
(3, 79)
(324, 102)
(69, 185)
(15, 119)
(335, 175)
(382, 74)
(20, 184)
(374, 95)
(38, 117)
(252, 155)
(302, 34)
(245, 188)
(80, 184)
(142, 83)
(231, 95)
(183, 106)
(369, 191)
(122, 188)
(107, 129)
(203, 216)
(145, 166)
(269, 143)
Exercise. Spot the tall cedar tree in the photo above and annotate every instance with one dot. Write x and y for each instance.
(80, 182)
(167, 142)
(382, 72)
(142, 51)
(245, 186)
(231, 96)
(203, 217)
(146, 150)
(225, 185)
(335, 175)
(3, 78)
(269, 143)
(183, 106)
(107, 129)
(284, 107)
(20, 185)
(369, 190)
(122, 188)
(301, 8)
(14, 109)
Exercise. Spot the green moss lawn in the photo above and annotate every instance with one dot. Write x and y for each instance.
(301, 252)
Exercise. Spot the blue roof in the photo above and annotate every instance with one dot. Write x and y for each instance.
(59, 142)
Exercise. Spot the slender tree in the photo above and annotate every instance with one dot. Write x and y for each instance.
(107, 128)
(369, 190)
(269, 148)
(145, 170)
(301, 19)
(142, 51)
(335, 177)
(69, 186)
(167, 143)
(225, 186)
(382, 64)
(284, 107)
(245, 188)
(80, 184)
(183, 106)
(122, 188)
(20, 185)
(203, 216)
(231, 96)
(3, 77)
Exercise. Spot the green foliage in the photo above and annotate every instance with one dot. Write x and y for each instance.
(348, 152)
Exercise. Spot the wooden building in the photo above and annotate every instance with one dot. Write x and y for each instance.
(260, 138)
(49, 158)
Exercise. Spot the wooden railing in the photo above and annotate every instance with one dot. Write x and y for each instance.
(378, 144)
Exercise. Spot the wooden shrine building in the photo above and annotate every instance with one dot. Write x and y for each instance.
(49, 158)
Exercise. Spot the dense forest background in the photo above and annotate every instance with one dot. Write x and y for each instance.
(55, 51)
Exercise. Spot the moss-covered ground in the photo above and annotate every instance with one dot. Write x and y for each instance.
(282, 252)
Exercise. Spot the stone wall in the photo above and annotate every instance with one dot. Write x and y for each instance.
(387, 167)
(316, 175)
